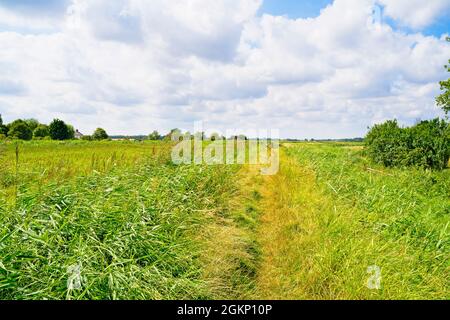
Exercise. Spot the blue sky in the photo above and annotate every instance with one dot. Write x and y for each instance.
(291, 8)
(311, 8)
(294, 8)
(50, 7)
(133, 66)
(439, 27)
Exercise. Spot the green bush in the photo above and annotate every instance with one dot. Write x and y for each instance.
(387, 144)
(19, 129)
(41, 131)
(86, 138)
(425, 145)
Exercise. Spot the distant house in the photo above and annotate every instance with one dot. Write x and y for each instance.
(78, 134)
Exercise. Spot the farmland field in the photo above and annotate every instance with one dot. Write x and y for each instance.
(133, 225)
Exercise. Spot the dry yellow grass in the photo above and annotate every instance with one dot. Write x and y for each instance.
(286, 232)
(229, 257)
(317, 245)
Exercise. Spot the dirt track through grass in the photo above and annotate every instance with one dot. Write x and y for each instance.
(287, 232)
(316, 242)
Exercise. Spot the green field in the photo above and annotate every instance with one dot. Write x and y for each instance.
(137, 226)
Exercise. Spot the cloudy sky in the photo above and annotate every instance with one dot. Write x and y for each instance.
(313, 69)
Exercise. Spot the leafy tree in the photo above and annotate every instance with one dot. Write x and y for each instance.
(154, 136)
(32, 123)
(443, 100)
(100, 134)
(19, 129)
(71, 131)
(3, 129)
(41, 131)
(59, 130)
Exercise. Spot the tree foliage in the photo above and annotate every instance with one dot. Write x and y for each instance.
(59, 130)
(32, 123)
(19, 129)
(41, 131)
(154, 136)
(100, 134)
(71, 131)
(86, 138)
(443, 100)
(3, 129)
(426, 145)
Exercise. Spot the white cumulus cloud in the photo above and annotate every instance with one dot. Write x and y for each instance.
(133, 66)
(416, 13)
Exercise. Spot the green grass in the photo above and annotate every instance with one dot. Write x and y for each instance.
(397, 219)
(140, 227)
(135, 226)
(42, 161)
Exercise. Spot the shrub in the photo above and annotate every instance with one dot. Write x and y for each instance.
(86, 138)
(41, 131)
(430, 144)
(387, 144)
(425, 145)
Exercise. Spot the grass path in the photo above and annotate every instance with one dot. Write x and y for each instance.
(307, 249)
(230, 252)
(287, 231)
(317, 244)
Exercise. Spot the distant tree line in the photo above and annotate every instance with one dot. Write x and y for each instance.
(177, 134)
(31, 129)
